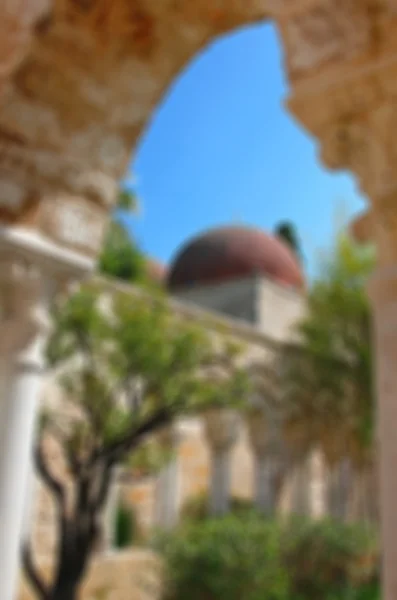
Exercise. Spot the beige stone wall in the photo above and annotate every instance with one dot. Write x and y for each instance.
(135, 574)
(280, 308)
(194, 463)
(237, 299)
(257, 301)
(141, 496)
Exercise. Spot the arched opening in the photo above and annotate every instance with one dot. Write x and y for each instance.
(222, 149)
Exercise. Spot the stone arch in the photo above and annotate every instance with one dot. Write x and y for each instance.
(93, 73)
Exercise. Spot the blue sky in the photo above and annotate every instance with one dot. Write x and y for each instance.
(222, 149)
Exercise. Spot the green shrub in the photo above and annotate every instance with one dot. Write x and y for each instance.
(125, 528)
(246, 557)
(326, 557)
(196, 508)
(365, 592)
(224, 558)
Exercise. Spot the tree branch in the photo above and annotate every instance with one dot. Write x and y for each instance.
(50, 481)
(32, 573)
(103, 488)
(119, 448)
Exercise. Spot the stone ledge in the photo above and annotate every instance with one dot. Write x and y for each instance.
(233, 327)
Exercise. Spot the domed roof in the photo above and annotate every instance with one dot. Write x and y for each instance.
(233, 252)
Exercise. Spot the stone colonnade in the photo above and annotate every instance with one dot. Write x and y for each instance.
(222, 428)
(79, 82)
(283, 482)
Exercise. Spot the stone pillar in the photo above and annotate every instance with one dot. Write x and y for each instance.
(376, 170)
(16, 437)
(168, 481)
(340, 478)
(30, 501)
(317, 483)
(265, 469)
(221, 427)
(265, 462)
(29, 273)
(383, 293)
(109, 520)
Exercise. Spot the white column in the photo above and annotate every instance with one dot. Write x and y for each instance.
(30, 270)
(265, 470)
(317, 482)
(19, 406)
(221, 430)
(340, 482)
(30, 502)
(167, 493)
(219, 502)
(110, 512)
(265, 446)
(168, 481)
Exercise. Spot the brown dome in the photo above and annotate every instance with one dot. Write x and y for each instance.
(229, 253)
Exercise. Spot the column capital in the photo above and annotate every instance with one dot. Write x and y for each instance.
(259, 431)
(221, 427)
(170, 436)
(32, 270)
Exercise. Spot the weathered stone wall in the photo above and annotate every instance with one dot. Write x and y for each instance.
(237, 299)
(280, 308)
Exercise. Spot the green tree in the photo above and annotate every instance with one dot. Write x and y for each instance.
(121, 257)
(287, 232)
(128, 368)
(324, 380)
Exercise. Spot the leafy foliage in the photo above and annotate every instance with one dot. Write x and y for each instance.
(328, 558)
(325, 379)
(197, 507)
(125, 527)
(120, 256)
(225, 558)
(245, 557)
(128, 367)
(286, 231)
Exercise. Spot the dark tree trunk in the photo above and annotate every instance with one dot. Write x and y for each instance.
(65, 590)
(78, 530)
